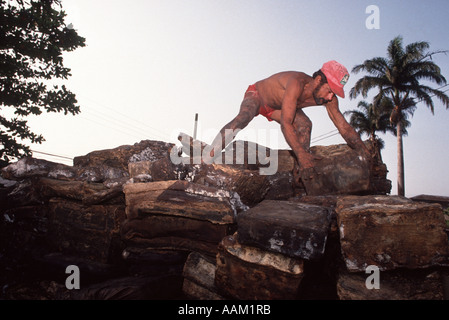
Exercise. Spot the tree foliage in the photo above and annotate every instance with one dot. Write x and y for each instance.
(371, 118)
(33, 37)
(400, 77)
(376, 117)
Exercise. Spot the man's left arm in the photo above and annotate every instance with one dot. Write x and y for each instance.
(348, 133)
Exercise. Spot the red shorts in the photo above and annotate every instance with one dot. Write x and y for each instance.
(264, 110)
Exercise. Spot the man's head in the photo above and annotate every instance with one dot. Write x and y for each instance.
(333, 77)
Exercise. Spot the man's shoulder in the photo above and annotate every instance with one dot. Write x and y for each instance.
(293, 74)
(297, 77)
(279, 82)
(284, 76)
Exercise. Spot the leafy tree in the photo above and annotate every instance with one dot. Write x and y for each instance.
(33, 36)
(399, 76)
(372, 118)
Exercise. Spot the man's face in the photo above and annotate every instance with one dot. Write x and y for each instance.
(322, 94)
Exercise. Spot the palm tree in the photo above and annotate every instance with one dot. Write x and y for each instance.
(370, 119)
(399, 77)
(376, 118)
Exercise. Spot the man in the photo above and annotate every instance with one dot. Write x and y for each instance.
(281, 97)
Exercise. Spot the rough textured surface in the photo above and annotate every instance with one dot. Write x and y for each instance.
(178, 215)
(340, 171)
(425, 284)
(120, 157)
(150, 261)
(390, 232)
(28, 167)
(342, 179)
(199, 278)
(444, 201)
(248, 184)
(182, 198)
(158, 170)
(292, 228)
(90, 231)
(174, 243)
(241, 154)
(87, 193)
(52, 215)
(155, 226)
(245, 272)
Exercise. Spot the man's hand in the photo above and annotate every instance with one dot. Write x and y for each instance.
(307, 160)
(309, 174)
(305, 169)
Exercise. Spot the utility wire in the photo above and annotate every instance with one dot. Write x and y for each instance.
(51, 154)
(120, 122)
(134, 121)
(333, 134)
(113, 128)
(324, 134)
(115, 124)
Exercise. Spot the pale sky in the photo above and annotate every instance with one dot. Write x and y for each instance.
(150, 65)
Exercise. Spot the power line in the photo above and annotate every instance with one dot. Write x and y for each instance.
(116, 129)
(51, 154)
(120, 122)
(134, 121)
(324, 134)
(132, 132)
(333, 134)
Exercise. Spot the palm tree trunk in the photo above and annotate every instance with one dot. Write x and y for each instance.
(401, 183)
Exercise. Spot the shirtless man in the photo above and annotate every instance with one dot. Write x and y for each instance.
(282, 97)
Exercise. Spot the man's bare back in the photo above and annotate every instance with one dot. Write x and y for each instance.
(272, 89)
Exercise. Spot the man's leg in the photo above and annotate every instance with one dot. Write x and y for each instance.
(248, 110)
(303, 128)
(302, 125)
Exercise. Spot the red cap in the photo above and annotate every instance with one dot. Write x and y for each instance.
(337, 76)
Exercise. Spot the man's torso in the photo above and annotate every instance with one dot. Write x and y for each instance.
(271, 90)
